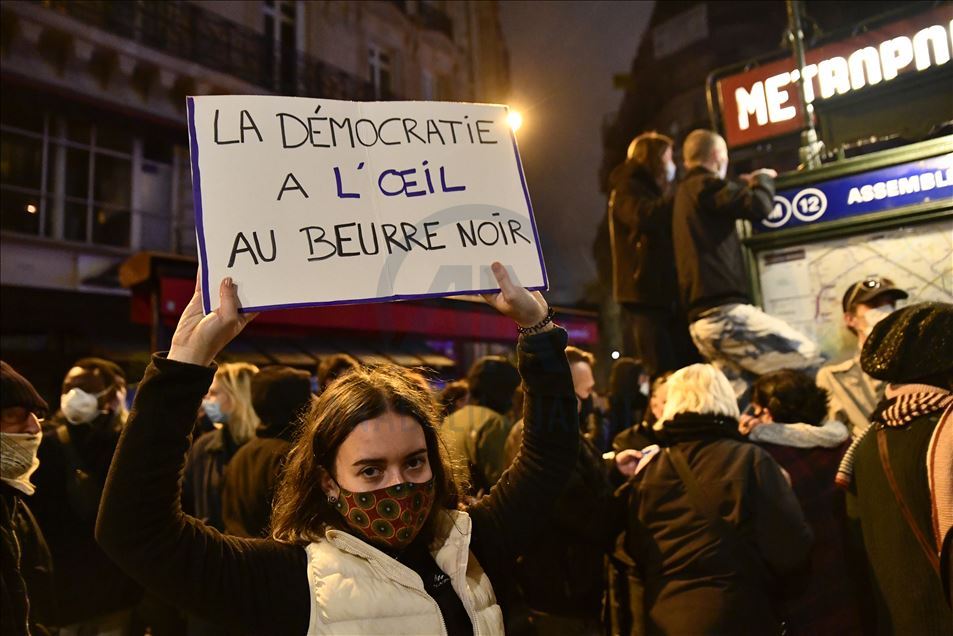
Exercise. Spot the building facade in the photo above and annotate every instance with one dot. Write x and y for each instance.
(95, 163)
(690, 44)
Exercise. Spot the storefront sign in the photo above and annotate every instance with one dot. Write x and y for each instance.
(763, 102)
(875, 191)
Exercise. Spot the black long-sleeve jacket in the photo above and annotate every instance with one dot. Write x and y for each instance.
(640, 229)
(260, 586)
(711, 269)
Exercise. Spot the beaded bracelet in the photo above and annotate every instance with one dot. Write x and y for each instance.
(550, 313)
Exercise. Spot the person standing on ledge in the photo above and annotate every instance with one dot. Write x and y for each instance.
(738, 338)
(643, 261)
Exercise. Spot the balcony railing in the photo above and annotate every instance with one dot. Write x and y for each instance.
(187, 31)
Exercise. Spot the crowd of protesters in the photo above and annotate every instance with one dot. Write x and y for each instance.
(725, 482)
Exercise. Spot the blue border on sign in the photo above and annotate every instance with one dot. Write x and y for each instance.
(197, 202)
(529, 206)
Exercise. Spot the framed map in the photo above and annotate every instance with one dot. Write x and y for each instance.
(804, 284)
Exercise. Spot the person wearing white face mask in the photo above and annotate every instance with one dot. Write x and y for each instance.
(854, 394)
(643, 261)
(26, 586)
(79, 440)
(738, 338)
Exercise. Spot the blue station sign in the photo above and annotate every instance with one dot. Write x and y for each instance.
(878, 190)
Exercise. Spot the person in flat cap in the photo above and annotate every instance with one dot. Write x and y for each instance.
(853, 393)
(26, 568)
(903, 470)
(279, 395)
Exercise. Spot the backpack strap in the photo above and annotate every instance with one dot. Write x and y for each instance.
(727, 533)
(701, 503)
(904, 509)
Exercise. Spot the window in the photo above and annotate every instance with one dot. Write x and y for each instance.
(21, 160)
(281, 46)
(379, 63)
(71, 181)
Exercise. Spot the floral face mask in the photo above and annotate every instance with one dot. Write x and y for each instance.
(389, 517)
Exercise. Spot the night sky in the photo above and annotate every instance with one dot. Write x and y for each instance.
(562, 59)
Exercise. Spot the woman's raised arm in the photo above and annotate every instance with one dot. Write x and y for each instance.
(256, 586)
(520, 503)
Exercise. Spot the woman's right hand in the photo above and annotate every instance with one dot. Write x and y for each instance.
(199, 338)
(525, 307)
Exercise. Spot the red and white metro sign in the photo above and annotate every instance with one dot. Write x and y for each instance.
(763, 103)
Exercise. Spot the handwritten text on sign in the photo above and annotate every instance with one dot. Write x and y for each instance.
(312, 201)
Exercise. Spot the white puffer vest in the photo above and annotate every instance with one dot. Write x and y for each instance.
(357, 589)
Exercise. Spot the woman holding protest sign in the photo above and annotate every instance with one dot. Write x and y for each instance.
(367, 534)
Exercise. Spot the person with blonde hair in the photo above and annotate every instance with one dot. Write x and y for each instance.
(228, 405)
(369, 531)
(711, 521)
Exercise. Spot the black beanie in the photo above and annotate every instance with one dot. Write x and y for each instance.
(911, 344)
(279, 395)
(15, 390)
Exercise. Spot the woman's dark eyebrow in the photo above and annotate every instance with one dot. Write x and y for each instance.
(370, 460)
(380, 460)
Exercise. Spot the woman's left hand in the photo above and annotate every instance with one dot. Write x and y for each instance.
(748, 423)
(525, 307)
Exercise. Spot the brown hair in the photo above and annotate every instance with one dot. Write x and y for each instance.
(792, 397)
(646, 150)
(301, 510)
(330, 368)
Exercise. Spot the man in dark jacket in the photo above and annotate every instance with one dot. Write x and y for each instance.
(279, 395)
(78, 445)
(902, 475)
(738, 338)
(26, 568)
(711, 520)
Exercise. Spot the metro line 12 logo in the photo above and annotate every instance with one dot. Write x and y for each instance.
(807, 206)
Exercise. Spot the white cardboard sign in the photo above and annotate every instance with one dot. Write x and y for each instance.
(308, 201)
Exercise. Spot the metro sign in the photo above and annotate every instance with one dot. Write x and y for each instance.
(763, 102)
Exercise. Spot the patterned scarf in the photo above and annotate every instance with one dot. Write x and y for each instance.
(902, 405)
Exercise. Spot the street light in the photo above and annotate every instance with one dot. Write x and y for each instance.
(515, 120)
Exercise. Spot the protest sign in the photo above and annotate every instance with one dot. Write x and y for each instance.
(307, 201)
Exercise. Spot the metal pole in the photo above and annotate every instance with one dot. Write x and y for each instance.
(809, 152)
